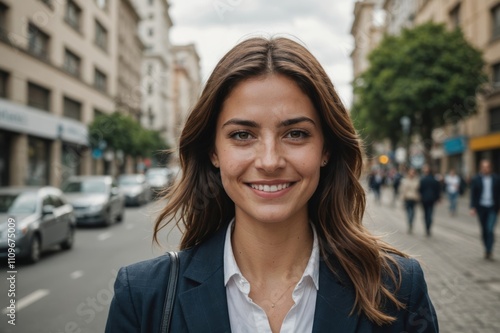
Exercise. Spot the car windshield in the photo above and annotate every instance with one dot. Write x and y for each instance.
(19, 203)
(85, 186)
(129, 180)
(156, 173)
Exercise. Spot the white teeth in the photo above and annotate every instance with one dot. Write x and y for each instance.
(270, 188)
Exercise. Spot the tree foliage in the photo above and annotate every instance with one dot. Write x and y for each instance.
(427, 73)
(121, 132)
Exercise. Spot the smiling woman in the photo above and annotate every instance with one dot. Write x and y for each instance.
(272, 210)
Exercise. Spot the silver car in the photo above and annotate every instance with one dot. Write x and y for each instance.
(36, 218)
(96, 199)
(137, 191)
(158, 180)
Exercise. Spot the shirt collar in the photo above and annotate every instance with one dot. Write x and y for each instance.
(231, 267)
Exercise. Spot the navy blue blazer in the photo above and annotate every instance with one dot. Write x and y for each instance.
(201, 304)
(476, 190)
(429, 189)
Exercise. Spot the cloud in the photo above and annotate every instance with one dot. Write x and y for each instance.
(216, 26)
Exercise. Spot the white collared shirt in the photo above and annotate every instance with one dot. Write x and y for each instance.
(247, 317)
(487, 195)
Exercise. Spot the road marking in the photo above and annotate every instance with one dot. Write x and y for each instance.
(104, 236)
(76, 274)
(30, 299)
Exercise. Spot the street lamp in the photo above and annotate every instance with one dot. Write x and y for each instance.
(406, 123)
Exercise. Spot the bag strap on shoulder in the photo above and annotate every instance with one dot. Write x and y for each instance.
(168, 305)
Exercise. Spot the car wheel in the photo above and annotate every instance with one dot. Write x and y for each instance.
(68, 242)
(35, 249)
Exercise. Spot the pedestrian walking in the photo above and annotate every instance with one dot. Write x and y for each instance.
(271, 207)
(485, 203)
(452, 183)
(396, 178)
(410, 194)
(375, 182)
(430, 194)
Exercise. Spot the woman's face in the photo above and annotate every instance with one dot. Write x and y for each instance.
(269, 148)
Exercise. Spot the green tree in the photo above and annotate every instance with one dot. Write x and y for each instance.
(427, 73)
(121, 132)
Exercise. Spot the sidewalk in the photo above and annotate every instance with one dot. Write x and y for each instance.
(464, 288)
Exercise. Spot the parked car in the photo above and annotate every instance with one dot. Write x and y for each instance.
(135, 188)
(158, 179)
(96, 199)
(41, 218)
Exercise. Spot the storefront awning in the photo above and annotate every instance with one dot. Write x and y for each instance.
(487, 142)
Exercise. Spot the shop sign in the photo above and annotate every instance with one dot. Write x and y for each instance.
(28, 120)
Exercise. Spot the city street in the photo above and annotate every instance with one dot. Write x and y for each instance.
(70, 291)
(464, 287)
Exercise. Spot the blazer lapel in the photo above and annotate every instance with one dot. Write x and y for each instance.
(334, 303)
(205, 305)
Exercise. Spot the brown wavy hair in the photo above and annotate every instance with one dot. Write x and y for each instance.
(200, 206)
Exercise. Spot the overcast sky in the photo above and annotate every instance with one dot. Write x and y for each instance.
(215, 26)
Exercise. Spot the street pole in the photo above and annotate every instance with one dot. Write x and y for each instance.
(405, 124)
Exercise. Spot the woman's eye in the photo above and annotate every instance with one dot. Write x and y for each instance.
(297, 134)
(241, 135)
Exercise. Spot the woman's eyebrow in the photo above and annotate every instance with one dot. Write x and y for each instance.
(284, 123)
(241, 122)
(297, 120)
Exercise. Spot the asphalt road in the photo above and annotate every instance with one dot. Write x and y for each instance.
(70, 291)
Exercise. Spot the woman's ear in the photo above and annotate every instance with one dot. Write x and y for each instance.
(215, 159)
(325, 157)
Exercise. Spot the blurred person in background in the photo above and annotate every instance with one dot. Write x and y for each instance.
(375, 182)
(410, 194)
(452, 183)
(430, 193)
(396, 177)
(271, 207)
(485, 203)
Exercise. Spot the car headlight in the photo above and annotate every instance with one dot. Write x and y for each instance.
(22, 231)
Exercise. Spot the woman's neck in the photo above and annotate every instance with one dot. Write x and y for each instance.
(272, 251)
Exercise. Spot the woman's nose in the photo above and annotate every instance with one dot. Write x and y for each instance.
(270, 156)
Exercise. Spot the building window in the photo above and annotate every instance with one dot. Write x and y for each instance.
(3, 20)
(150, 69)
(38, 97)
(150, 31)
(73, 15)
(4, 80)
(72, 109)
(150, 2)
(455, 16)
(101, 36)
(150, 89)
(72, 63)
(37, 172)
(151, 117)
(100, 80)
(495, 13)
(151, 16)
(38, 42)
(495, 119)
(496, 75)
